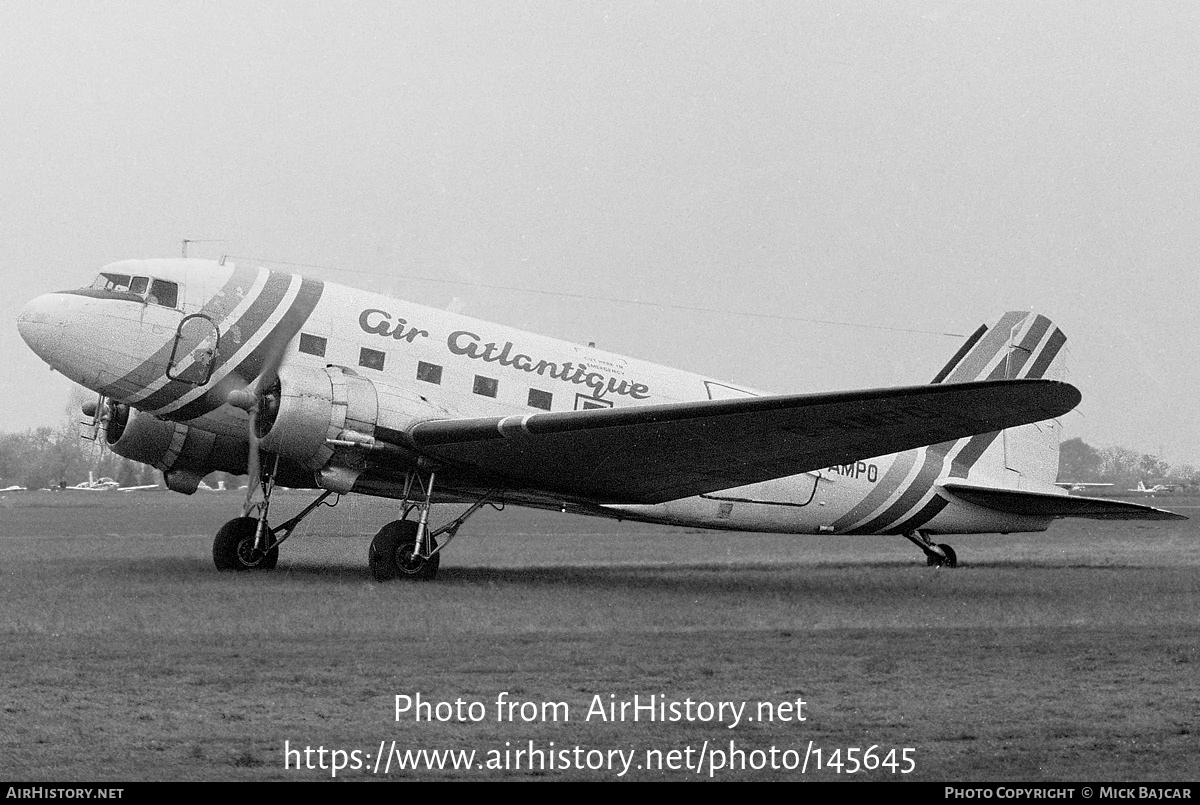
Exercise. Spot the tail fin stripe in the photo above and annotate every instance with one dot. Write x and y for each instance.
(962, 351)
(1049, 353)
(1017, 358)
(988, 347)
(967, 457)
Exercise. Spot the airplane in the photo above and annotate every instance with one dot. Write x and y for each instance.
(1080, 486)
(210, 365)
(94, 484)
(105, 484)
(1151, 490)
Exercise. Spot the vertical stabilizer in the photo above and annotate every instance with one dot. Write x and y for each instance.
(1020, 345)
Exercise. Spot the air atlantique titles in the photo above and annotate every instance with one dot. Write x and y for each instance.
(462, 342)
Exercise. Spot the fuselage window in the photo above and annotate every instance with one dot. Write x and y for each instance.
(429, 372)
(370, 358)
(138, 285)
(485, 386)
(540, 399)
(313, 344)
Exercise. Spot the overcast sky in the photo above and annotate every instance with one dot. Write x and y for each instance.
(871, 169)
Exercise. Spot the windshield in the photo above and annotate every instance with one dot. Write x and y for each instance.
(149, 289)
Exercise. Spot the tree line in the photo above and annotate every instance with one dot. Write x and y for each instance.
(46, 457)
(1081, 463)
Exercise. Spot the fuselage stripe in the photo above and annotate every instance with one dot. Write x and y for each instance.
(232, 338)
(927, 513)
(153, 368)
(875, 499)
(280, 335)
(234, 356)
(912, 495)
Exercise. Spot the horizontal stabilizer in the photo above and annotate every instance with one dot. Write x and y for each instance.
(1045, 504)
(655, 453)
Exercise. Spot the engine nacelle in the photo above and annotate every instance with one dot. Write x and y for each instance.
(307, 407)
(326, 419)
(183, 453)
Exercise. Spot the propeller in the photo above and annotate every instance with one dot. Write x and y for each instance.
(262, 404)
(91, 429)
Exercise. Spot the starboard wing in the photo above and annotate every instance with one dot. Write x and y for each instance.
(655, 453)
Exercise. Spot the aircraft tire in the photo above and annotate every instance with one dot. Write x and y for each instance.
(951, 560)
(391, 554)
(233, 547)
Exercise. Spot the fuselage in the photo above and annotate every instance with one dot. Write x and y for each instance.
(178, 355)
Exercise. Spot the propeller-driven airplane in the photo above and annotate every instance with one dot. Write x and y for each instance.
(205, 366)
(1080, 486)
(1151, 490)
(93, 484)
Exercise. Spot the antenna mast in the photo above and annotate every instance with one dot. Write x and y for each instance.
(186, 241)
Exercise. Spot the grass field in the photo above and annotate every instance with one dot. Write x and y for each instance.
(1068, 655)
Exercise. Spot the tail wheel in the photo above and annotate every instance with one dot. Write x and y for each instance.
(233, 547)
(393, 554)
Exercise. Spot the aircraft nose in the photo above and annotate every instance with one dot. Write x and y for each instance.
(42, 324)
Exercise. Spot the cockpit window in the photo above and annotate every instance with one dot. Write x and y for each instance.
(153, 291)
(112, 282)
(164, 293)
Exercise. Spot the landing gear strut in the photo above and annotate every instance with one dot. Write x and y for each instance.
(247, 542)
(936, 555)
(406, 549)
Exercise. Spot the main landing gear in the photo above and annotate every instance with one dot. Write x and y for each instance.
(404, 549)
(247, 542)
(936, 555)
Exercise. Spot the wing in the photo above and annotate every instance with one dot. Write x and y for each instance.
(1043, 504)
(655, 453)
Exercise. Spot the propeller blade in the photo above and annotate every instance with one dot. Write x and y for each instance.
(263, 400)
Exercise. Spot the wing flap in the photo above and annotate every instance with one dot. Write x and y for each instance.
(1045, 504)
(655, 453)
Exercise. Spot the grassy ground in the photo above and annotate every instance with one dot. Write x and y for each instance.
(1065, 655)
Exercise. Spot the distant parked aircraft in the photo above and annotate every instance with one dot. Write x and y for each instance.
(1078, 486)
(92, 484)
(1152, 490)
